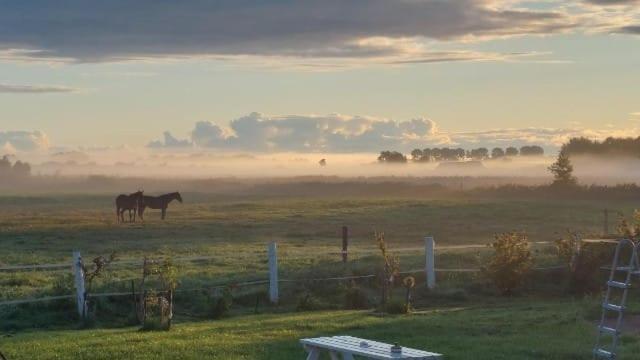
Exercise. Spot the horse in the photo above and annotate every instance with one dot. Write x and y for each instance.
(128, 202)
(157, 202)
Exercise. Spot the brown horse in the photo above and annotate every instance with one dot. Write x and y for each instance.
(128, 202)
(157, 202)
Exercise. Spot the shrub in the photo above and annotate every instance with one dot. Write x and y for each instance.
(584, 274)
(390, 268)
(567, 248)
(409, 283)
(395, 307)
(356, 298)
(308, 302)
(222, 304)
(510, 263)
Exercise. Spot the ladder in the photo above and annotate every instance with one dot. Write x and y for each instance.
(614, 285)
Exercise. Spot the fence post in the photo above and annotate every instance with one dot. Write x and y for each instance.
(345, 243)
(79, 283)
(430, 271)
(273, 273)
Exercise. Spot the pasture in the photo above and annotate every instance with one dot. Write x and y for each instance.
(226, 237)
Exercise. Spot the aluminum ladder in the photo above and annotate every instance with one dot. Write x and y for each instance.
(622, 287)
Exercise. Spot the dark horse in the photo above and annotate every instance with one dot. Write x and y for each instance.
(128, 202)
(158, 202)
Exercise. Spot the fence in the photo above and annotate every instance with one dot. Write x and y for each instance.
(271, 279)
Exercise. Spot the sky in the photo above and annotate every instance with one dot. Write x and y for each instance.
(315, 76)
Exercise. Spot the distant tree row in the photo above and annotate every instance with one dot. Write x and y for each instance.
(458, 154)
(18, 169)
(609, 146)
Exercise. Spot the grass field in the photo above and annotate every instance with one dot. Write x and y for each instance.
(515, 329)
(465, 320)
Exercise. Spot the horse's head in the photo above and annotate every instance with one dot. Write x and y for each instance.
(138, 194)
(178, 197)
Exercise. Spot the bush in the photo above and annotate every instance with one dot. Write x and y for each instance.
(356, 298)
(223, 304)
(511, 262)
(584, 274)
(396, 307)
(309, 302)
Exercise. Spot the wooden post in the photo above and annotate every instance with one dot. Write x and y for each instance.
(273, 273)
(345, 243)
(79, 283)
(606, 222)
(133, 298)
(430, 271)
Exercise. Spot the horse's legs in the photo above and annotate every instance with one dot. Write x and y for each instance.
(117, 213)
(140, 212)
(164, 212)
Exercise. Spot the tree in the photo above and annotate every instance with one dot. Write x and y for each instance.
(392, 157)
(479, 153)
(497, 153)
(21, 169)
(5, 166)
(533, 150)
(426, 155)
(562, 171)
(511, 151)
(416, 155)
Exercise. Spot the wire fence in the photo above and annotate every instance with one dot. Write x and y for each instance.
(269, 280)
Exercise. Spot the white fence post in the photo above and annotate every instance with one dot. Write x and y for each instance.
(79, 282)
(273, 273)
(430, 261)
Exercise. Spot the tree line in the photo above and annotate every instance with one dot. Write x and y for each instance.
(608, 147)
(459, 154)
(16, 170)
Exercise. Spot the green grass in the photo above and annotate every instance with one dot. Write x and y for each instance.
(235, 233)
(514, 329)
(47, 229)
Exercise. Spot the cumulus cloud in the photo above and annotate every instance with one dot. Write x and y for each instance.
(355, 29)
(33, 89)
(349, 134)
(312, 133)
(23, 140)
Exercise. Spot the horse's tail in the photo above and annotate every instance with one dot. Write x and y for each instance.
(117, 213)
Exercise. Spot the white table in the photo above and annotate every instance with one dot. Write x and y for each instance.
(349, 346)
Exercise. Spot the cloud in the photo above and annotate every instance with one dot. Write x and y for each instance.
(630, 29)
(612, 2)
(33, 89)
(170, 141)
(24, 140)
(117, 30)
(349, 134)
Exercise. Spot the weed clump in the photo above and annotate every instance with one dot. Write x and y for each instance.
(511, 262)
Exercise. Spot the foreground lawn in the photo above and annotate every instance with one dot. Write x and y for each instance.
(518, 329)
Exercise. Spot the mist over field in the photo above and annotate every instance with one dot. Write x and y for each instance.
(212, 164)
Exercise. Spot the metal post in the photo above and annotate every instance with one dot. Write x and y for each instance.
(273, 273)
(429, 250)
(345, 243)
(79, 283)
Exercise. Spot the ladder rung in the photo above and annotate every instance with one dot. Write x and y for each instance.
(613, 307)
(618, 284)
(608, 330)
(624, 268)
(604, 354)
